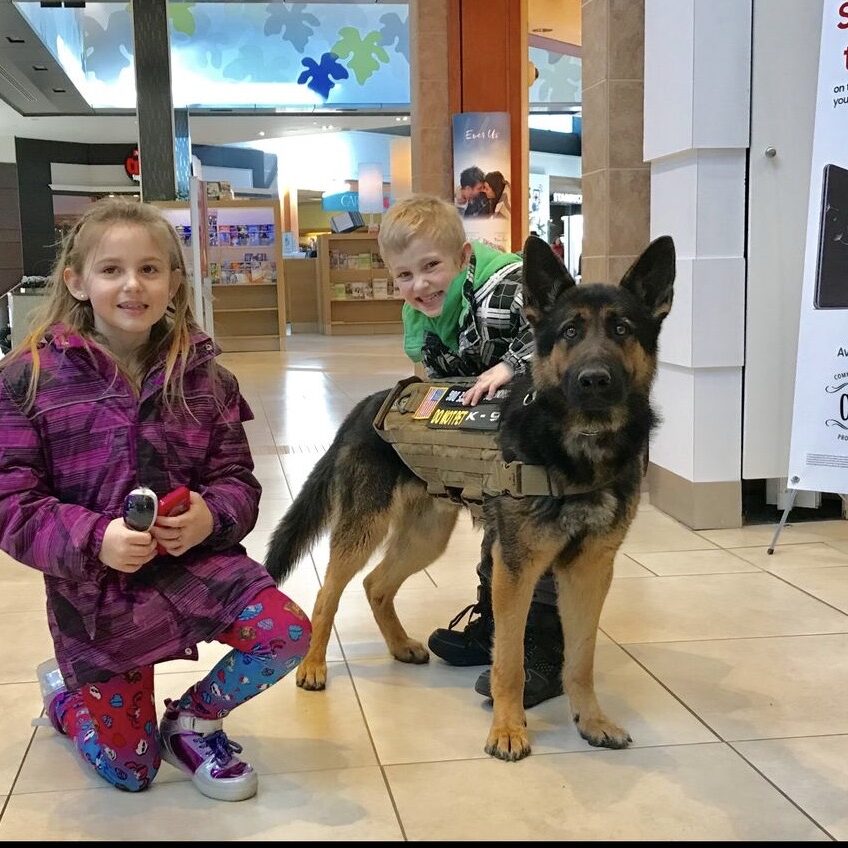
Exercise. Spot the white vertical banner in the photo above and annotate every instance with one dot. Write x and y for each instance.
(202, 280)
(539, 205)
(818, 456)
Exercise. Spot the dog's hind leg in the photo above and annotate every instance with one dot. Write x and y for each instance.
(582, 588)
(513, 581)
(422, 527)
(352, 541)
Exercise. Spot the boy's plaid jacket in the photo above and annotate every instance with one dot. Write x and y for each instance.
(495, 329)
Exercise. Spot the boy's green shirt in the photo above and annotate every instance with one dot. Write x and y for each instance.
(484, 262)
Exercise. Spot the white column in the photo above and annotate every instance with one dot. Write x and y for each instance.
(697, 104)
(7, 148)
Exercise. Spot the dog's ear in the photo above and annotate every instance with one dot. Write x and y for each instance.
(651, 277)
(545, 278)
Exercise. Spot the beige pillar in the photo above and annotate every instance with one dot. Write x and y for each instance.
(430, 40)
(616, 180)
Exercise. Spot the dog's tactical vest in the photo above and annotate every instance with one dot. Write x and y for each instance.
(465, 465)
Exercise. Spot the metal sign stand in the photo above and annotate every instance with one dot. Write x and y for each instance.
(783, 518)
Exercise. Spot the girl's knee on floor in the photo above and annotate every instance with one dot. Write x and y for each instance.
(273, 624)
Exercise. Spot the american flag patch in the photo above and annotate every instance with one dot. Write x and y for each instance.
(433, 396)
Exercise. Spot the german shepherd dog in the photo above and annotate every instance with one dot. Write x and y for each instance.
(584, 413)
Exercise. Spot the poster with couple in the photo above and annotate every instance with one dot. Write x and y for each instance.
(481, 151)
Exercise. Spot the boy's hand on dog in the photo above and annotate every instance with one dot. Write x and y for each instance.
(488, 383)
(179, 533)
(124, 549)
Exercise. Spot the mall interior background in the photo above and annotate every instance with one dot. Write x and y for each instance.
(673, 143)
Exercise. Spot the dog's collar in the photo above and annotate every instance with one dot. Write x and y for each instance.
(530, 397)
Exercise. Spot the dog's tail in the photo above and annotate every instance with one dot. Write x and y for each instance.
(304, 521)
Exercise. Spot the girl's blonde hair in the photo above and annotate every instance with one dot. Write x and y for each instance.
(173, 331)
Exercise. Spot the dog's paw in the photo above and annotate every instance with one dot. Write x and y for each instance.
(602, 733)
(411, 652)
(508, 742)
(312, 675)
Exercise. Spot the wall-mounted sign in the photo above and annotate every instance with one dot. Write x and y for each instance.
(566, 197)
(132, 165)
(345, 201)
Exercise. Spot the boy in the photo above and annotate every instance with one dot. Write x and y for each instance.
(463, 317)
(470, 187)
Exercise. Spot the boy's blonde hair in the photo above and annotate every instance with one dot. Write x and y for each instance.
(421, 215)
(172, 332)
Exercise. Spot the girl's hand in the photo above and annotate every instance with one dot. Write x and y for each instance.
(124, 549)
(488, 383)
(179, 533)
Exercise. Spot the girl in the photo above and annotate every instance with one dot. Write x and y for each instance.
(496, 189)
(117, 387)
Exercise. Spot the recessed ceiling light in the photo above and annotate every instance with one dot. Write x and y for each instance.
(261, 132)
(406, 117)
(397, 118)
(59, 91)
(39, 67)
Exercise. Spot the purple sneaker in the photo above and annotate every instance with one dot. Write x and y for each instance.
(199, 747)
(53, 693)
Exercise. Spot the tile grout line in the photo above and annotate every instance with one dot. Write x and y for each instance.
(276, 447)
(670, 691)
(808, 594)
(371, 739)
(18, 772)
(732, 638)
(799, 588)
(780, 791)
(727, 742)
(588, 750)
(636, 562)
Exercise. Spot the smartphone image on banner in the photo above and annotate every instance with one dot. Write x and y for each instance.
(832, 264)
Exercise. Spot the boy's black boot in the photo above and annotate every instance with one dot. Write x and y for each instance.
(473, 644)
(543, 658)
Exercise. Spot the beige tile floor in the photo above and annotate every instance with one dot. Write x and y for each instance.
(729, 668)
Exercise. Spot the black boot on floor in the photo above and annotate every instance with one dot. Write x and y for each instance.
(473, 644)
(543, 658)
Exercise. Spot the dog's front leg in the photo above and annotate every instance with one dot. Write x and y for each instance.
(512, 590)
(582, 587)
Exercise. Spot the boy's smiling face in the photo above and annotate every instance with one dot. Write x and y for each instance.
(423, 272)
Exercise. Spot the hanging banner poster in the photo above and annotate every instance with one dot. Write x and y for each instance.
(481, 170)
(818, 457)
(539, 205)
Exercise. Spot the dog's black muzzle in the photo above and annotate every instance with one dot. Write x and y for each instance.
(596, 387)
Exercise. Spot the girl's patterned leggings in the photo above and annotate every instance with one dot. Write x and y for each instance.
(113, 724)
